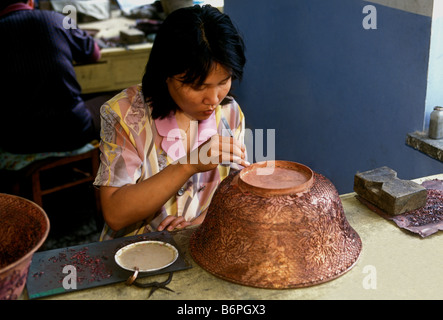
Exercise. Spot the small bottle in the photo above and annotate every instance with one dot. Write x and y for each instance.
(436, 123)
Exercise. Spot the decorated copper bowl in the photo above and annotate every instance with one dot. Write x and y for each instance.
(276, 225)
(24, 226)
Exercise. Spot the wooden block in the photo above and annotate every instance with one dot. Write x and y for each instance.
(384, 189)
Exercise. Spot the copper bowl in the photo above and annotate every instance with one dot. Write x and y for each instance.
(23, 229)
(269, 231)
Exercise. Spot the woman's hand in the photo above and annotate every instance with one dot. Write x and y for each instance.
(215, 151)
(171, 222)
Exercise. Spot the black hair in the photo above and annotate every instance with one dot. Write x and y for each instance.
(6, 3)
(190, 41)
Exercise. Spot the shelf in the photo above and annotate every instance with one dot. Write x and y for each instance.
(421, 142)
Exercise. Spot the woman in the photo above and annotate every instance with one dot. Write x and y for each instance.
(162, 142)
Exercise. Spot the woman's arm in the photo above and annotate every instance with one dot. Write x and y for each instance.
(123, 206)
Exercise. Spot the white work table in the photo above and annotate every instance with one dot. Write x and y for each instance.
(394, 264)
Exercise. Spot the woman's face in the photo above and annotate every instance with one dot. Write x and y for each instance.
(200, 101)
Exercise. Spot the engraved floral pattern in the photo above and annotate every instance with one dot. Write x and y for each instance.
(238, 250)
(277, 241)
(322, 242)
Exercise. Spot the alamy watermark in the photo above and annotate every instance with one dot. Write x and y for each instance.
(370, 280)
(70, 281)
(370, 20)
(212, 153)
(70, 20)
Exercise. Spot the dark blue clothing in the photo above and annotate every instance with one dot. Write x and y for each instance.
(40, 104)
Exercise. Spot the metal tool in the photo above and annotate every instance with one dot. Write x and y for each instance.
(225, 122)
(153, 285)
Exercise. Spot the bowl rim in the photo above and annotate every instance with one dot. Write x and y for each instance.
(309, 174)
(170, 247)
(29, 254)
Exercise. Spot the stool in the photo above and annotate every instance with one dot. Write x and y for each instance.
(54, 174)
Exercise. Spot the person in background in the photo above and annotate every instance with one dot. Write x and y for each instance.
(41, 104)
(162, 141)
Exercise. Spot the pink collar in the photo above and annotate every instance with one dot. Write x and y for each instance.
(15, 7)
(172, 139)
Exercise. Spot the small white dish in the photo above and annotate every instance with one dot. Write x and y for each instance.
(146, 256)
